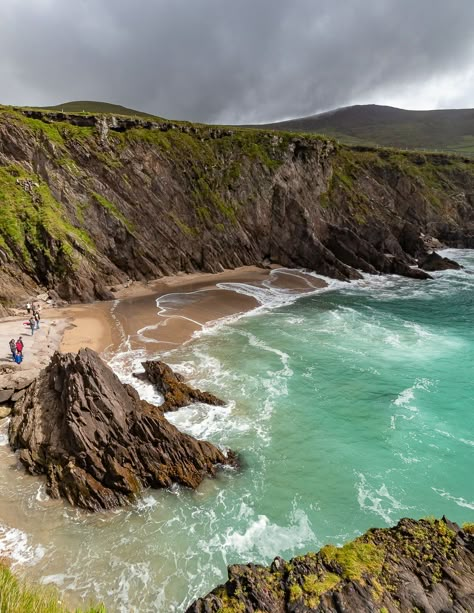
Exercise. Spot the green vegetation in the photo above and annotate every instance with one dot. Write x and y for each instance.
(57, 132)
(32, 221)
(113, 210)
(355, 558)
(18, 597)
(313, 588)
(185, 229)
(469, 528)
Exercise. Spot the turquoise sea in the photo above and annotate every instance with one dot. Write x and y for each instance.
(350, 408)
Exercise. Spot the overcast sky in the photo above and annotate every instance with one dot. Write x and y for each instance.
(238, 60)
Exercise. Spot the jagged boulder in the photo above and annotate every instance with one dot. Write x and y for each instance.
(434, 261)
(97, 442)
(425, 565)
(171, 386)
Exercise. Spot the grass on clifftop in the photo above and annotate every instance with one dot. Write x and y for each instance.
(16, 596)
(31, 219)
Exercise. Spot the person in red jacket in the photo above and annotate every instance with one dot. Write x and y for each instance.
(19, 346)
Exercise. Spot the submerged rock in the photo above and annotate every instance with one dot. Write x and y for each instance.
(425, 565)
(97, 442)
(434, 261)
(171, 386)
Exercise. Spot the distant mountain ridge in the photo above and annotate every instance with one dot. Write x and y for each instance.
(370, 124)
(447, 130)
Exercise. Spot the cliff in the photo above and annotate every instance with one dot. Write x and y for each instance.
(88, 201)
(425, 565)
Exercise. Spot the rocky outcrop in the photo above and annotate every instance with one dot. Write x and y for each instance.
(425, 565)
(98, 444)
(434, 261)
(96, 200)
(171, 386)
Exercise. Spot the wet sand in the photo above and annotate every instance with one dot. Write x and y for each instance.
(158, 315)
(164, 314)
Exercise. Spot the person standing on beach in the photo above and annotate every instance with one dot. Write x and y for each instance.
(37, 317)
(13, 348)
(32, 325)
(28, 307)
(19, 346)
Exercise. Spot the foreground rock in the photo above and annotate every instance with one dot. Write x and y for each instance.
(171, 386)
(425, 565)
(98, 444)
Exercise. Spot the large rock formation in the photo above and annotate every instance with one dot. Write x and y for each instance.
(97, 443)
(171, 386)
(91, 201)
(425, 565)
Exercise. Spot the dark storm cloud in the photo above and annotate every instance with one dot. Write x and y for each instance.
(228, 60)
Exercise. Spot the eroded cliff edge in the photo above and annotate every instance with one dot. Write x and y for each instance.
(425, 565)
(89, 201)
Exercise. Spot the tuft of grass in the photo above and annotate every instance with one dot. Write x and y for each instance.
(17, 596)
(355, 558)
(113, 210)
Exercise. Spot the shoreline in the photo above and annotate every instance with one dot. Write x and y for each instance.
(160, 314)
(165, 313)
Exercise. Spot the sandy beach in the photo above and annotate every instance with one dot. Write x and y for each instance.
(157, 315)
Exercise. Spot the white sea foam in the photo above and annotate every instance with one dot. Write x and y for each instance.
(261, 536)
(377, 500)
(465, 441)
(461, 502)
(15, 545)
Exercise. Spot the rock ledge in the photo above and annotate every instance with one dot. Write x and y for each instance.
(425, 565)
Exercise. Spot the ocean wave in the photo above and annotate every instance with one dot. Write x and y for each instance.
(461, 502)
(263, 539)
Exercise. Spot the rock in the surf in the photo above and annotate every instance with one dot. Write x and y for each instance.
(171, 386)
(425, 565)
(434, 261)
(97, 442)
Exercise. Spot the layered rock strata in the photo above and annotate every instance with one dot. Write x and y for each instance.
(425, 565)
(97, 442)
(92, 201)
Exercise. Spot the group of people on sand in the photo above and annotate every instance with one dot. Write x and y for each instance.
(16, 348)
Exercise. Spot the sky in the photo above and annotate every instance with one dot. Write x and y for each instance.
(238, 61)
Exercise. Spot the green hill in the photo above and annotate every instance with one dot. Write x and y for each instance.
(443, 130)
(92, 106)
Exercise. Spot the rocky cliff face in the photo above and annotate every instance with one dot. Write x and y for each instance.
(425, 565)
(89, 201)
(97, 443)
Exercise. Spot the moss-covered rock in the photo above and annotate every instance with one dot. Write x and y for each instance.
(425, 565)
